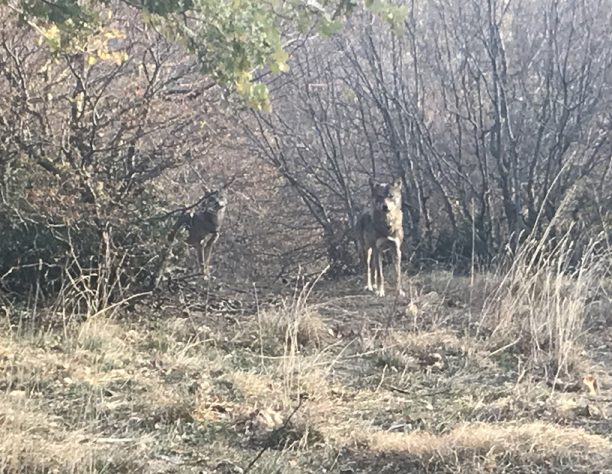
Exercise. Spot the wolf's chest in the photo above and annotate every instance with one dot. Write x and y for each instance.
(387, 226)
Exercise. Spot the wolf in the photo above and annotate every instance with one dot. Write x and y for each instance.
(380, 229)
(203, 225)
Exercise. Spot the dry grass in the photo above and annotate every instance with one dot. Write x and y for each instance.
(380, 388)
(281, 331)
(540, 307)
(532, 443)
(35, 433)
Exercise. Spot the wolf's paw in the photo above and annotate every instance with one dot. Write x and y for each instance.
(380, 292)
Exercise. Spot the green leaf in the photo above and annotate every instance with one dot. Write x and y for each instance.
(230, 38)
(330, 28)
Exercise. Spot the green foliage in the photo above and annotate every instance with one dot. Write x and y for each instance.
(394, 15)
(231, 38)
(331, 27)
(50, 235)
(59, 12)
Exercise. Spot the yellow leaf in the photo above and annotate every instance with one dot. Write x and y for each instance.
(280, 58)
(114, 34)
(91, 59)
(52, 33)
(119, 57)
(243, 83)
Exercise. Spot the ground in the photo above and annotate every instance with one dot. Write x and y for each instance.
(207, 378)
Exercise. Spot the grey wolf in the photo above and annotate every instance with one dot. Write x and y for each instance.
(380, 229)
(203, 224)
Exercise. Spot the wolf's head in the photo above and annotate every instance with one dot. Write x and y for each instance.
(217, 200)
(214, 202)
(386, 197)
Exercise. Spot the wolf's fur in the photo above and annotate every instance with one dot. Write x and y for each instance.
(379, 229)
(203, 225)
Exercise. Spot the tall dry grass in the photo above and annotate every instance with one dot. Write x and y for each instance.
(540, 306)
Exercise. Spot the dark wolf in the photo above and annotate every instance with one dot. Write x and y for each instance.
(203, 225)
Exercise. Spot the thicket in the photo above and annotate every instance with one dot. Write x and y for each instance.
(496, 117)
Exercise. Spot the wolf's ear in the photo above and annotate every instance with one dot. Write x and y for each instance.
(397, 183)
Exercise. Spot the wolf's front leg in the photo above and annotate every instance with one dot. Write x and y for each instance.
(197, 247)
(380, 275)
(368, 265)
(208, 252)
(398, 268)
